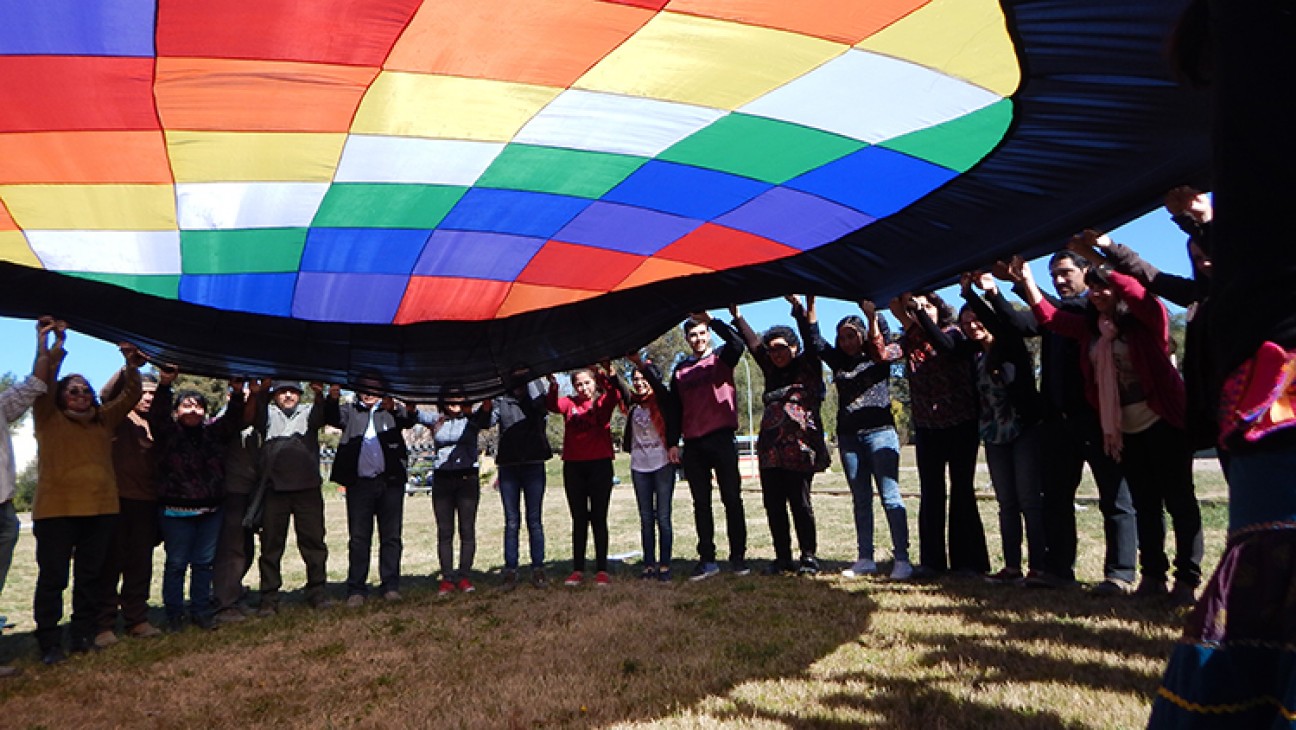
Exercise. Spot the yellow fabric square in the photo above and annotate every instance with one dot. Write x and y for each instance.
(707, 62)
(91, 207)
(449, 107)
(966, 39)
(254, 156)
(14, 248)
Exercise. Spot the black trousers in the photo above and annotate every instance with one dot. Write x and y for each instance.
(369, 500)
(716, 452)
(588, 485)
(63, 543)
(781, 490)
(306, 509)
(1158, 466)
(234, 552)
(954, 447)
(129, 563)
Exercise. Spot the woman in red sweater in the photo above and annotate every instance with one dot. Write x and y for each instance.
(1131, 381)
(587, 461)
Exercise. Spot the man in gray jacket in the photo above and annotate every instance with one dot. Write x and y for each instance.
(291, 468)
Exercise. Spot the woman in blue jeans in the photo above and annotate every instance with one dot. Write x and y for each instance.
(1009, 414)
(870, 449)
(521, 456)
(191, 487)
(650, 423)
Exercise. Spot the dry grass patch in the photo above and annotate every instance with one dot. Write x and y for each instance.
(751, 652)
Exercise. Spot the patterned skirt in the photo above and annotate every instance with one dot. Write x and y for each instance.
(1235, 666)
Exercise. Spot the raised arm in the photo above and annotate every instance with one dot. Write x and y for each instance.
(1178, 289)
(332, 407)
(941, 340)
(315, 419)
(231, 421)
(15, 400)
(1142, 303)
(552, 401)
(749, 336)
(115, 410)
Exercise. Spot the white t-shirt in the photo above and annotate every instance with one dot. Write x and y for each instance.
(648, 448)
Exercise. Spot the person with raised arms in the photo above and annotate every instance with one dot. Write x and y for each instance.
(587, 462)
(75, 508)
(703, 383)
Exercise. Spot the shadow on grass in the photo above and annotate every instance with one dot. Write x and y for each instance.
(527, 658)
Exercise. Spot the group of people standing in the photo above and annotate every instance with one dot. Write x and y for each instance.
(147, 462)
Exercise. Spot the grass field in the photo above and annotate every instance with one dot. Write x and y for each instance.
(732, 651)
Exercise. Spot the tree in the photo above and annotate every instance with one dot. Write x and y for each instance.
(1178, 330)
(214, 390)
(7, 381)
(25, 488)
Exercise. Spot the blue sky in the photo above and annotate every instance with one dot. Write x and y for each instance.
(1153, 235)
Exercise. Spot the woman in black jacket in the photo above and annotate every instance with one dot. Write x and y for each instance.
(1009, 413)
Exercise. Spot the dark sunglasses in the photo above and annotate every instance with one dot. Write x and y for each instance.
(78, 390)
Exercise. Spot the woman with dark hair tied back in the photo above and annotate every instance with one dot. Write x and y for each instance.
(866, 436)
(943, 396)
(75, 508)
(791, 445)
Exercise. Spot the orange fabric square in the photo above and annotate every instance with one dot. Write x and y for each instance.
(550, 43)
(216, 94)
(834, 20)
(655, 269)
(529, 298)
(445, 297)
(38, 158)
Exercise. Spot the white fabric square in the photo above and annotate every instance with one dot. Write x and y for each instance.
(377, 159)
(108, 252)
(871, 98)
(230, 205)
(627, 125)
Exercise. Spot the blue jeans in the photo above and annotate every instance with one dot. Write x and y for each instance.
(1017, 471)
(190, 544)
(8, 538)
(653, 492)
(518, 482)
(876, 454)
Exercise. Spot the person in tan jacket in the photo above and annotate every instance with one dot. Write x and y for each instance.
(75, 508)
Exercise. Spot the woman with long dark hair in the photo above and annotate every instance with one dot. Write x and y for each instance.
(943, 398)
(652, 424)
(587, 462)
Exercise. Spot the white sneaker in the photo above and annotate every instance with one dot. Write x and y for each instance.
(860, 569)
(902, 570)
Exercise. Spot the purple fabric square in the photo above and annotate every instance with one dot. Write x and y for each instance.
(477, 255)
(796, 219)
(626, 229)
(360, 298)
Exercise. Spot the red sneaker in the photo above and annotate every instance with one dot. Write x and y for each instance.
(445, 589)
(574, 579)
(466, 585)
(602, 579)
